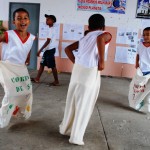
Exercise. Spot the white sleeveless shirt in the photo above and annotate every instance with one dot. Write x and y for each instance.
(87, 54)
(15, 50)
(144, 55)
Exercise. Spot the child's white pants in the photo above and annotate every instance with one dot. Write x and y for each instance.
(81, 98)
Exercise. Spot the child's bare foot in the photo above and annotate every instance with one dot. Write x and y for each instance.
(35, 80)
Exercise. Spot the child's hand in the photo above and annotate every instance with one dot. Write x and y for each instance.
(101, 66)
(27, 63)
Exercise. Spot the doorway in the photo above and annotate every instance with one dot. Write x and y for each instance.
(34, 12)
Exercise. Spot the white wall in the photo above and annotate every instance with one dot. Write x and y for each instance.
(65, 11)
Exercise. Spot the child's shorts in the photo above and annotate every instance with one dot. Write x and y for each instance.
(48, 58)
(146, 73)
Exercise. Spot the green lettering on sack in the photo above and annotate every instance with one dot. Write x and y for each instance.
(17, 79)
(26, 78)
(19, 89)
(10, 106)
(13, 80)
(20, 79)
(29, 86)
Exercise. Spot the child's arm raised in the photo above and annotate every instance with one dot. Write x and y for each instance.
(69, 51)
(137, 61)
(101, 41)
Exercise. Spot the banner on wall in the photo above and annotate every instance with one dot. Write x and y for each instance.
(143, 9)
(106, 6)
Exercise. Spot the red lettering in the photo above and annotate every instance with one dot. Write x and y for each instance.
(91, 1)
(103, 2)
(81, 1)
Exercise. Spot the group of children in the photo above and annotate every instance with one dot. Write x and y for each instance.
(89, 61)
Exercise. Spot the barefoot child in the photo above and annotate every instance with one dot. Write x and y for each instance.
(48, 58)
(14, 77)
(139, 93)
(85, 79)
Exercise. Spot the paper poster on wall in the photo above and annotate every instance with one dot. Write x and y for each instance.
(125, 55)
(127, 36)
(73, 32)
(44, 29)
(64, 45)
(57, 30)
(41, 43)
(106, 6)
(143, 9)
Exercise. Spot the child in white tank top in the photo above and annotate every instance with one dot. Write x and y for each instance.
(16, 46)
(139, 98)
(85, 79)
(143, 53)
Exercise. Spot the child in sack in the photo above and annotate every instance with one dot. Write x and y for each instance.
(139, 93)
(85, 79)
(14, 77)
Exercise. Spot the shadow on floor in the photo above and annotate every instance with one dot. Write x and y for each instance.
(38, 128)
(119, 105)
